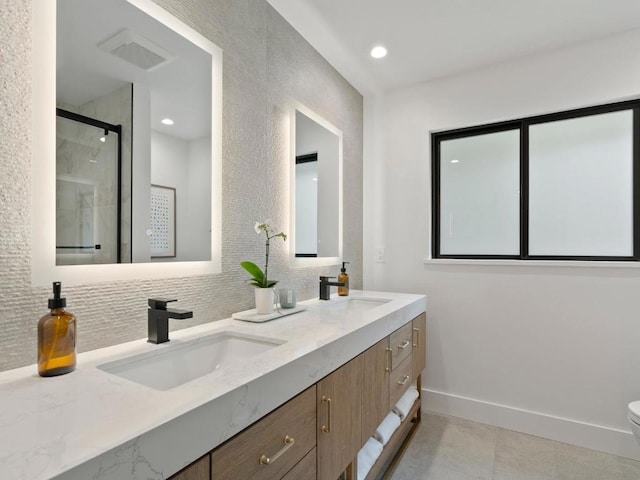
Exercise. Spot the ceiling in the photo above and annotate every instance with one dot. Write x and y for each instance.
(429, 39)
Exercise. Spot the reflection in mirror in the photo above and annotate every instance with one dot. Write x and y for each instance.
(134, 102)
(87, 190)
(121, 67)
(318, 187)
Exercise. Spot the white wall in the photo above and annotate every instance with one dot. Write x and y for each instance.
(307, 207)
(141, 174)
(550, 350)
(199, 200)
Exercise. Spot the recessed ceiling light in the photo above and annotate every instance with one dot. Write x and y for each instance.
(103, 139)
(378, 51)
(455, 161)
(167, 121)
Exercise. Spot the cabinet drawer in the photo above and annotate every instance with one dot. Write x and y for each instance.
(400, 380)
(305, 469)
(263, 451)
(400, 344)
(198, 470)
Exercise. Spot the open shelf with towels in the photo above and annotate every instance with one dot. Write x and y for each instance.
(394, 447)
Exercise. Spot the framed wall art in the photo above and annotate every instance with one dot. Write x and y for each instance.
(163, 221)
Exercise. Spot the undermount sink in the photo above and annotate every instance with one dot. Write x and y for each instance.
(358, 304)
(183, 362)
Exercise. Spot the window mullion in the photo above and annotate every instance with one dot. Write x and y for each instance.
(524, 190)
(435, 201)
(636, 183)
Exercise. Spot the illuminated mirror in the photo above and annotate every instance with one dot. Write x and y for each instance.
(126, 169)
(317, 188)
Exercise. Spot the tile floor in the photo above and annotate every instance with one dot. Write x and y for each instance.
(450, 448)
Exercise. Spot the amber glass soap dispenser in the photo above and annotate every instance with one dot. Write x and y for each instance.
(343, 278)
(57, 338)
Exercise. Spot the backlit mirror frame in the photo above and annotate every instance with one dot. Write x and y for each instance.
(43, 262)
(313, 261)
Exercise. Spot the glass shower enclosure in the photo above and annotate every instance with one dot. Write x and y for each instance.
(88, 190)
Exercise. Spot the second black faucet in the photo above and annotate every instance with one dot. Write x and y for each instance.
(325, 287)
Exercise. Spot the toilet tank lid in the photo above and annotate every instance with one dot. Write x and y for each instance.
(634, 411)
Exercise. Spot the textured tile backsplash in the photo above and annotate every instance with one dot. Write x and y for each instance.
(267, 67)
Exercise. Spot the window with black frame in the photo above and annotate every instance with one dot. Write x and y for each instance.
(562, 186)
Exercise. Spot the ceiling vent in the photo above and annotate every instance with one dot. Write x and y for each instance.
(137, 50)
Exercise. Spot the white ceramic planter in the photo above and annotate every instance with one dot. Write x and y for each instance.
(265, 298)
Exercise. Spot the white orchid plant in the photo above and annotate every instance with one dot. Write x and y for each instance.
(259, 278)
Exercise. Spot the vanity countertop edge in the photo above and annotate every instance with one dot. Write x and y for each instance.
(91, 424)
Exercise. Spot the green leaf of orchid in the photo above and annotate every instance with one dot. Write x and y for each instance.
(255, 271)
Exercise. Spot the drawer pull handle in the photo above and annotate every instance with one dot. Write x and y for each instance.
(417, 330)
(404, 380)
(387, 367)
(288, 443)
(327, 400)
(404, 345)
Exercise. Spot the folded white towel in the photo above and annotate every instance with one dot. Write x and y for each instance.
(367, 456)
(406, 402)
(389, 425)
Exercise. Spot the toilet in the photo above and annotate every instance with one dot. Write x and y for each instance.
(634, 418)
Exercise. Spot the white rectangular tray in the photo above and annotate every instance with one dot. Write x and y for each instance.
(252, 316)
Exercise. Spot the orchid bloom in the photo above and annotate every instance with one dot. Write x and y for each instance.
(260, 278)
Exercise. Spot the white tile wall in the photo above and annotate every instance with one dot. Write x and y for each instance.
(267, 66)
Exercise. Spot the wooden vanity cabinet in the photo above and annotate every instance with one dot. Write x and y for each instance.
(305, 469)
(198, 470)
(271, 447)
(329, 422)
(390, 368)
(339, 399)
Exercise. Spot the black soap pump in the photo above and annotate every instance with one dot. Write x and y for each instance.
(343, 278)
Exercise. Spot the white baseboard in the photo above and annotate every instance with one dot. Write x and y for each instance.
(595, 437)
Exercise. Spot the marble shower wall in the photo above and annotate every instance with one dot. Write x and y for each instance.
(267, 67)
(115, 108)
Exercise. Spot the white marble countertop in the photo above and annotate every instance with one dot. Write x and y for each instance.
(91, 424)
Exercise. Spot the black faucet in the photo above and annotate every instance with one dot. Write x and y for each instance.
(325, 287)
(158, 319)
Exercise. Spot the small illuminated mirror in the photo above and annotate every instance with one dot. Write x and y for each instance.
(318, 187)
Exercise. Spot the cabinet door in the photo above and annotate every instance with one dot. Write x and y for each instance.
(198, 470)
(419, 343)
(375, 392)
(339, 398)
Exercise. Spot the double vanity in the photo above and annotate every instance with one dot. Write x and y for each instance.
(199, 405)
